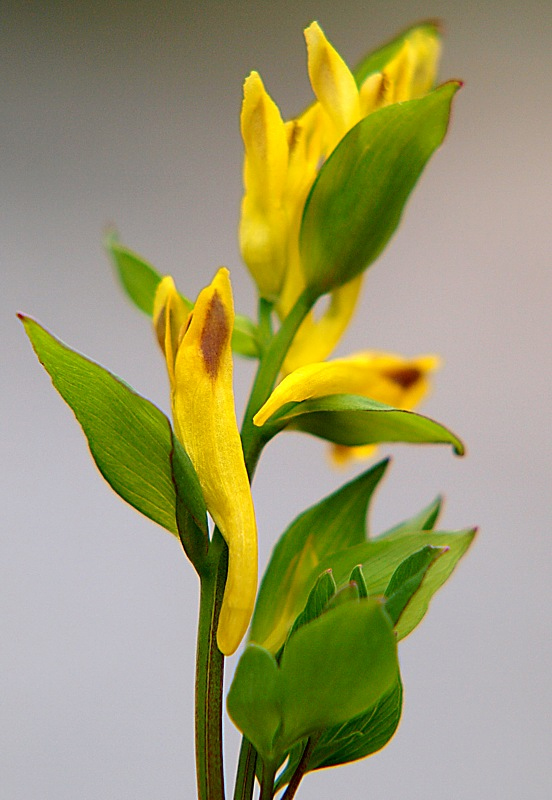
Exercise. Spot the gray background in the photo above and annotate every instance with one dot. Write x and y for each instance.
(127, 113)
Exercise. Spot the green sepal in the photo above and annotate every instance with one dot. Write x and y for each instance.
(378, 59)
(407, 579)
(332, 669)
(335, 523)
(130, 440)
(352, 420)
(357, 738)
(140, 281)
(358, 197)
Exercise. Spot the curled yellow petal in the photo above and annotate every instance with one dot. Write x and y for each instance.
(205, 423)
(385, 377)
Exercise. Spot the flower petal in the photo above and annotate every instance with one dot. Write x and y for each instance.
(205, 423)
(332, 81)
(263, 223)
(385, 377)
(170, 315)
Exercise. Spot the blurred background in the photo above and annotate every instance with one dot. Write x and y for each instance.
(127, 113)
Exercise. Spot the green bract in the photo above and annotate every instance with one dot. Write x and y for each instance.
(359, 195)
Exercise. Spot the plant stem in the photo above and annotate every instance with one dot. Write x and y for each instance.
(299, 773)
(269, 367)
(209, 676)
(267, 782)
(274, 352)
(245, 775)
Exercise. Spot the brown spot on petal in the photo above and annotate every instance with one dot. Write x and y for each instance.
(405, 377)
(160, 326)
(214, 335)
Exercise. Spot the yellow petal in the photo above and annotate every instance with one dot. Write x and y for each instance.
(265, 140)
(332, 81)
(205, 422)
(264, 222)
(170, 315)
(425, 49)
(385, 377)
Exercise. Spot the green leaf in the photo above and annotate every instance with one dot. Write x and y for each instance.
(336, 667)
(321, 593)
(424, 520)
(130, 440)
(358, 578)
(138, 278)
(407, 579)
(381, 557)
(352, 420)
(190, 508)
(357, 738)
(378, 59)
(140, 281)
(254, 699)
(337, 522)
(358, 197)
(245, 337)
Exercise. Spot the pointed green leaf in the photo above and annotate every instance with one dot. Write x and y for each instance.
(353, 420)
(378, 59)
(140, 281)
(254, 701)
(337, 522)
(358, 578)
(130, 439)
(407, 579)
(359, 195)
(138, 278)
(424, 520)
(357, 738)
(336, 667)
(381, 557)
(318, 599)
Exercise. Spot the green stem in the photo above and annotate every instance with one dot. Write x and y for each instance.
(245, 775)
(209, 676)
(267, 782)
(301, 770)
(275, 351)
(265, 322)
(269, 367)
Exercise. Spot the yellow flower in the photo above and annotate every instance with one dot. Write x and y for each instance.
(197, 347)
(385, 377)
(282, 161)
